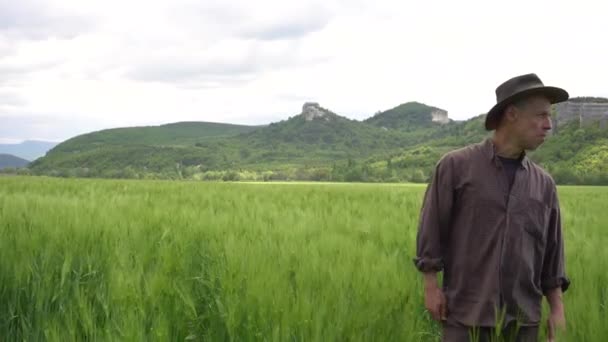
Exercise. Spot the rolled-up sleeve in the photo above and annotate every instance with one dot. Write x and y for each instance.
(553, 274)
(435, 218)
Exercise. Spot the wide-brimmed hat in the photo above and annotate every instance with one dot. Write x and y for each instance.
(518, 88)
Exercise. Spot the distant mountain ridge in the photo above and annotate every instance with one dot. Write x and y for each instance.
(399, 144)
(9, 160)
(315, 136)
(28, 149)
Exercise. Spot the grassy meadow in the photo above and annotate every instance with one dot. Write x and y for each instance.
(106, 260)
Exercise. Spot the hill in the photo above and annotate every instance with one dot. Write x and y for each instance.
(116, 152)
(409, 116)
(29, 149)
(400, 144)
(10, 161)
(316, 136)
(576, 155)
(174, 134)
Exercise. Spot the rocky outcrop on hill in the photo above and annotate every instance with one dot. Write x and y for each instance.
(312, 111)
(585, 112)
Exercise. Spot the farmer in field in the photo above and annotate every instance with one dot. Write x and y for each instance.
(491, 222)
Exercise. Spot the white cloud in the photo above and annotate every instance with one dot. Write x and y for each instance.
(110, 63)
(39, 20)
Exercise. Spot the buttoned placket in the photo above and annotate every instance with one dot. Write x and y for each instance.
(509, 198)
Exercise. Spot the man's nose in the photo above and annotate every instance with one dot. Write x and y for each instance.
(547, 124)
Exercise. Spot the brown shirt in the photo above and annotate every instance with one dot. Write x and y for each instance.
(498, 249)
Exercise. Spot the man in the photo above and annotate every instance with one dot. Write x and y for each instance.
(491, 222)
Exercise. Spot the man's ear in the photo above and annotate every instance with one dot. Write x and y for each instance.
(511, 113)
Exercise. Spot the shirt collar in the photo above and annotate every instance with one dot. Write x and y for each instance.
(490, 151)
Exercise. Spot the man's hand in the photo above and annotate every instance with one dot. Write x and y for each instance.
(557, 318)
(434, 299)
(556, 323)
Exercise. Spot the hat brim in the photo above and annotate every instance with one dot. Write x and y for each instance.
(554, 94)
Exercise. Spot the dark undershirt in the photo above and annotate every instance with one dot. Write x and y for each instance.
(510, 166)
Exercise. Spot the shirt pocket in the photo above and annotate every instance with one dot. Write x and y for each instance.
(535, 218)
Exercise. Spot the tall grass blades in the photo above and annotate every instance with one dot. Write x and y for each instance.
(184, 261)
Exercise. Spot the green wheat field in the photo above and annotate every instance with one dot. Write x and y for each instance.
(106, 260)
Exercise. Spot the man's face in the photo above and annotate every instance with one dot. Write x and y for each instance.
(533, 122)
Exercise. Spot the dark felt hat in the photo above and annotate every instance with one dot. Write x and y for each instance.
(518, 88)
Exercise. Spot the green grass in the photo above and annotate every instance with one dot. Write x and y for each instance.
(169, 261)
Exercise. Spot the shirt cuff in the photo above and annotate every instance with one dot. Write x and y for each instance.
(555, 282)
(429, 264)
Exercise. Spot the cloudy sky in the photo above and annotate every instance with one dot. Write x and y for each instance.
(70, 66)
